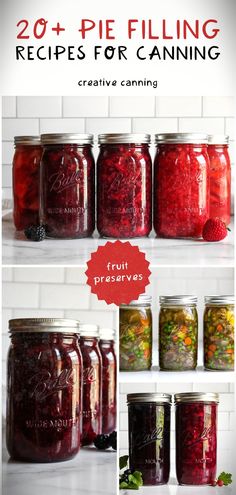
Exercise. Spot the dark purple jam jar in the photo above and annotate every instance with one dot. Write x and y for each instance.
(107, 348)
(68, 185)
(149, 436)
(124, 186)
(92, 383)
(196, 438)
(44, 402)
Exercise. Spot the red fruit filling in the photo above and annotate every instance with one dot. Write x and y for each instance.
(181, 190)
(44, 397)
(67, 178)
(219, 182)
(108, 386)
(124, 191)
(196, 443)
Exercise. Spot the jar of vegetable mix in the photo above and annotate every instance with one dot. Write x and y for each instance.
(196, 438)
(26, 176)
(220, 177)
(68, 185)
(181, 185)
(219, 333)
(136, 335)
(44, 404)
(124, 186)
(149, 436)
(178, 333)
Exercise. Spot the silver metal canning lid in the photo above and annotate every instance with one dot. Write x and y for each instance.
(219, 300)
(143, 300)
(218, 139)
(67, 138)
(145, 397)
(27, 140)
(106, 333)
(87, 330)
(120, 138)
(39, 325)
(178, 300)
(196, 397)
(182, 137)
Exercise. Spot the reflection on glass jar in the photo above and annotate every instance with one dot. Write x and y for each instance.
(107, 349)
(220, 177)
(68, 185)
(178, 333)
(124, 186)
(44, 390)
(149, 436)
(219, 333)
(25, 175)
(92, 383)
(136, 335)
(181, 185)
(196, 438)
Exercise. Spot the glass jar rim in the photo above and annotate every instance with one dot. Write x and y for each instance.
(66, 138)
(218, 139)
(124, 138)
(181, 138)
(148, 397)
(219, 300)
(196, 397)
(143, 300)
(106, 333)
(43, 325)
(178, 300)
(27, 140)
(88, 330)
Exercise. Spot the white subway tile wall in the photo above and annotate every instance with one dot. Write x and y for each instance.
(226, 418)
(42, 114)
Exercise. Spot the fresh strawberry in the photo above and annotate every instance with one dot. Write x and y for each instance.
(214, 230)
(220, 483)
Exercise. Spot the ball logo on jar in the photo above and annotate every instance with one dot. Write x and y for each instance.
(45, 384)
(192, 438)
(60, 181)
(119, 182)
(89, 375)
(144, 439)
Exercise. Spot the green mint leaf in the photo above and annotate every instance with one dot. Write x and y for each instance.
(138, 477)
(226, 478)
(123, 484)
(123, 461)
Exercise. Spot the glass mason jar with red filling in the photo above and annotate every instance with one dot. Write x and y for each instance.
(92, 383)
(220, 177)
(149, 436)
(124, 186)
(107, 349)
(68, 185)
(181, 185)
(25, 178)
(196, 438)
(44, 404)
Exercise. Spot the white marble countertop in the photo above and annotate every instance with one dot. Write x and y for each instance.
(173, 489)
(90, 473)
(17, 250)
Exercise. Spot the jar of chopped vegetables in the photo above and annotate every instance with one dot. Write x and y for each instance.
(219, 333)
(178, 333)
(136, 335)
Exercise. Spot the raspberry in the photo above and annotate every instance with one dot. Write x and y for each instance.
(35, 233)
(214, 230)
(220, 483)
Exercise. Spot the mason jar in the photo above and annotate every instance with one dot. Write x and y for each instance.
(25, 178)
(220, 177)
(109, 371)
(196, 438)
(124, 186)
(92, 383)
(135, 328)
(219, 333)
(149, 436)
(44, 391)
(181, 185)
(178, 333)
(68, 185)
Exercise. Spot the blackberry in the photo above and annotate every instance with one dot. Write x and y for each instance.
(113, 440)
(102, 442)
(127, 472)
(35, 233)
